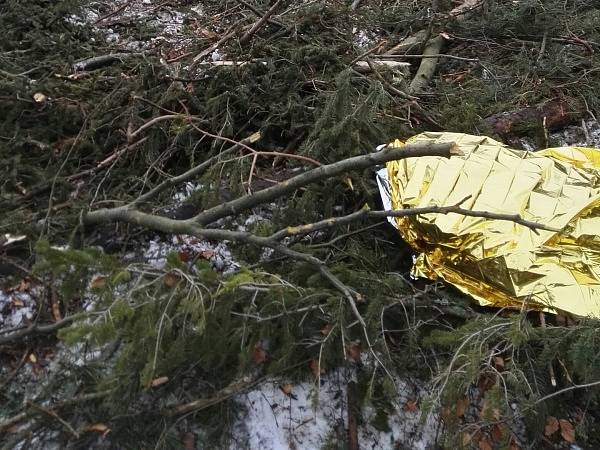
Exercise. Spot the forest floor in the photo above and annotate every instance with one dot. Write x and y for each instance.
(123, 329)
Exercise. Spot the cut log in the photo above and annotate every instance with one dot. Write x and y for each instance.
(531, 120)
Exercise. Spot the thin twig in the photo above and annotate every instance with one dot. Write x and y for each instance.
(432, 55)
(246, 37)
(366, 213)
(367, 53)
(257, 152)
(228, 35)
(194, 171)
(40, 329)
(567, 389)
(260, 14)
(54, 415)
(11, 421)
(112, 13)
(387, 84)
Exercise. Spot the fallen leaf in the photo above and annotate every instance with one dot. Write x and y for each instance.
(411, 406)
(18, 303)
(499, 362)
(23, 286)
(496, 433)
(551, 426)
(326, 329)
(189, 441)
(567, 431)
(286, 388)
(461, 407)
(99, 428)
(32, 358)
(56, 315)
(348, 181)
(208, 254)
(170, 279)
(98, 283)
(486, 382)
(184, 256)
(158, 381)
(208, 34)
(315, 368)
(485, 444)
(259, 355)
(514, 446)
(467, 438)
(353, 352)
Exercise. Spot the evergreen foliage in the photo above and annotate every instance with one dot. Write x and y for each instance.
(204, 330)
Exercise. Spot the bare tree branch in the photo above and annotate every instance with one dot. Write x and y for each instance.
(356, 163)
(246, 37)
(366, 213)
(40, 329)
(260, 14)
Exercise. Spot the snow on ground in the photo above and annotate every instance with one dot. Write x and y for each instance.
(585, 135)
(310, 417)
(163, 20)
(217, 253)
(17, 306)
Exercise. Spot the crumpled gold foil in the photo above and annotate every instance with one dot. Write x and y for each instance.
(501, 263)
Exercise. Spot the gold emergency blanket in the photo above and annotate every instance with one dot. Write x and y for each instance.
(501, 263)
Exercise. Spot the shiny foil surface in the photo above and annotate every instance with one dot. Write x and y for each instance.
(498, 262)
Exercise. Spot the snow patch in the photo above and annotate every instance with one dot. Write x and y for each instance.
(218, 254)
(17, 307)
(310, 417)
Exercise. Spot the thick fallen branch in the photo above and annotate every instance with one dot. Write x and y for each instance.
(428, 65)
(408, 43)
(125, 213)
(357, 163)
(100, 61)
(365, 67)
(194, 226)
(553, 114)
